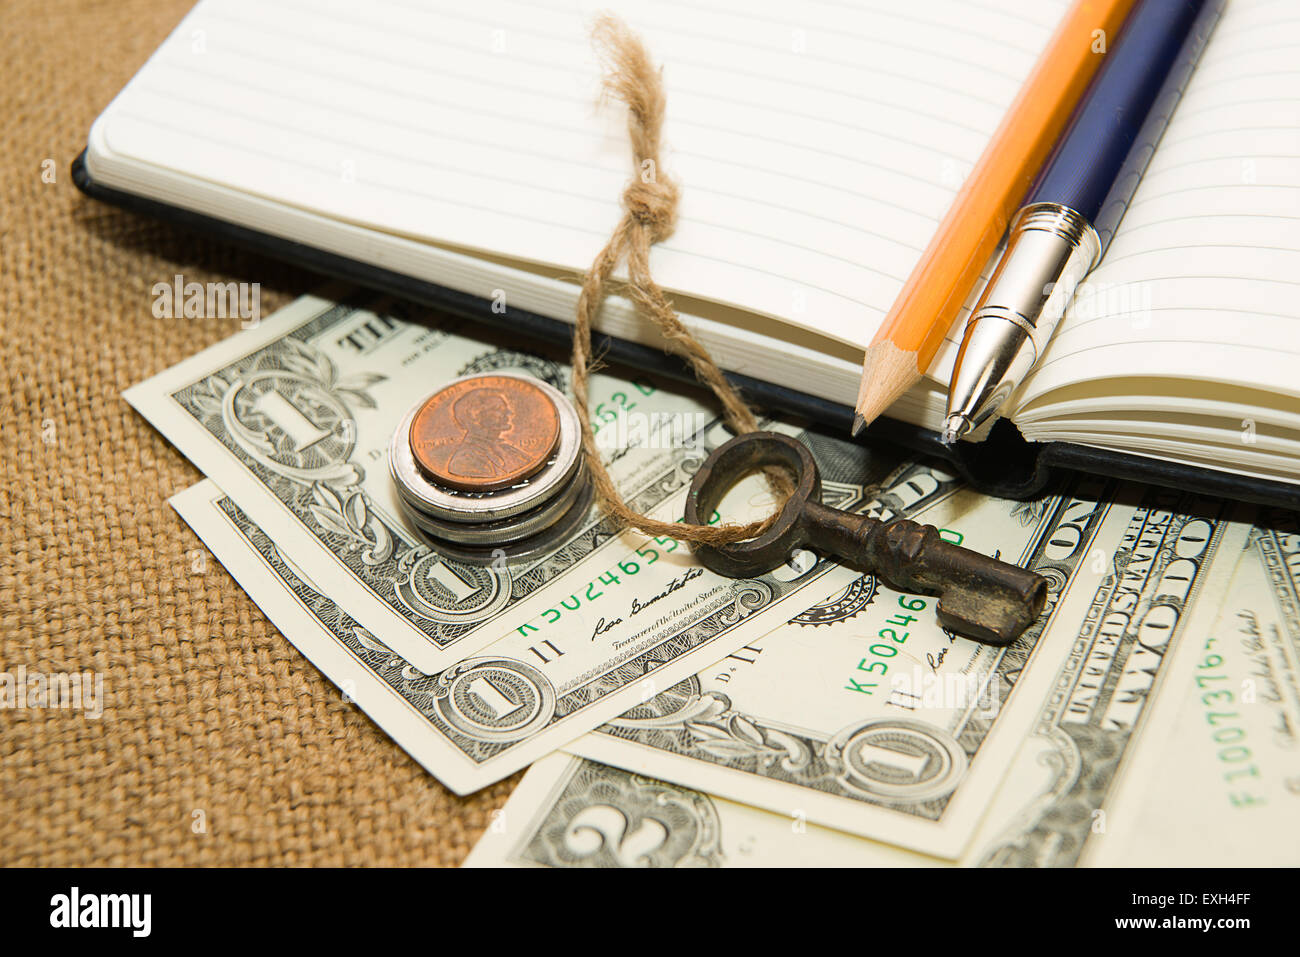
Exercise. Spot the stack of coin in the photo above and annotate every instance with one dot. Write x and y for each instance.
(491, 466)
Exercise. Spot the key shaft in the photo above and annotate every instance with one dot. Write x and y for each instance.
(979, 597)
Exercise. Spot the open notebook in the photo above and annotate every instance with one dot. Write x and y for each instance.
(818, 148)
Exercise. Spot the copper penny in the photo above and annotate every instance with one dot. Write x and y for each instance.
(485, 433)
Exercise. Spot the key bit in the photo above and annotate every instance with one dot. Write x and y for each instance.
(979, 597)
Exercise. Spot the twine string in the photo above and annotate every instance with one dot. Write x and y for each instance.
(649, 215)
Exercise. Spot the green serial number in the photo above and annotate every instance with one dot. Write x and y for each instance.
(1227, 733)
(624, 568)
(878, 654)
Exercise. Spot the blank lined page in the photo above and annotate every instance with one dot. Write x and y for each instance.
(1202, 282)
(818, 145)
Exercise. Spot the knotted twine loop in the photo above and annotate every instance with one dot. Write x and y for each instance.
(649, 215)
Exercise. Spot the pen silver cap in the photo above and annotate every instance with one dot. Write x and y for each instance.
(1050, 249)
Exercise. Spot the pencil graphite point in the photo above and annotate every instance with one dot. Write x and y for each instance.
(859, 423)
(887, 373)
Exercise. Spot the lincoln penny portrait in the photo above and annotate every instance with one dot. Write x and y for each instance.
(485, 433)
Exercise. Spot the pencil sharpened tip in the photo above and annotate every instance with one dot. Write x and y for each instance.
(954, 428)
(859, 423)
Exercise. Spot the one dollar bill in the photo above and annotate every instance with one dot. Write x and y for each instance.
(294, 419)
(863, 714)
(644, 620)
(1075, 793)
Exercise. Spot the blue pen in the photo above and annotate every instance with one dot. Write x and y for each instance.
(1062, 231)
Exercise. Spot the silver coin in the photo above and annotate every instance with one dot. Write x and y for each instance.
(416, 496)
(458, 506)
(507, 529)
(525, 549)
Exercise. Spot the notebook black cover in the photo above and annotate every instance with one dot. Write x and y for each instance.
(1005, 465)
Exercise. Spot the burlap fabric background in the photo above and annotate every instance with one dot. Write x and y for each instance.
(207, 707)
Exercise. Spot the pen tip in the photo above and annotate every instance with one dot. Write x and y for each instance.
(859, 423)
(954, 428)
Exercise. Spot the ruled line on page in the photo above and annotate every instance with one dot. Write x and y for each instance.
(677, 120)
(890, 9)
(534, 185)
(618, 168)
(893, 44)
(1219, 158)
(1243, 346)
(1228, 287)
(1219, 187)
(965, 93)
(1234, 103)
(720, 64)
(407, 189)
(944, 119)
(614, 168)
(1165, 249)
(828, 176)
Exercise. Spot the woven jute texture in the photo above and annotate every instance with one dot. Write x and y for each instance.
(206, 707)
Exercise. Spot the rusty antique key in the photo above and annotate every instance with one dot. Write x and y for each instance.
(979, 597)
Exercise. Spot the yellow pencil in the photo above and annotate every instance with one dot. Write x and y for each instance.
(911, 334)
